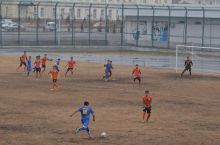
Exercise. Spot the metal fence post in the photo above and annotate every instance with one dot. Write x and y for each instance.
(1, 23)
(122, 26)
(152, 28)
(19, 22)
(137, 33)
(186, 25)
(203, 26)
(55, 20)
(106, 23)
(37, 24)
(169, 23)
(73, 25)
(90, 24)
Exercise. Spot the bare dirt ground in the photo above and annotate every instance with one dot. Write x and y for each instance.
(185, 111)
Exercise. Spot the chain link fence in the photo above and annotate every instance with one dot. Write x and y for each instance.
(84, 24)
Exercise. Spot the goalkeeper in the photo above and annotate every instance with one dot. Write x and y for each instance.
(188, 66)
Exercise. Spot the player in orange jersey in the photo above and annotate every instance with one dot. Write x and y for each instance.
(136, 73)
(37, 64)
(147, 102)
(54, 75)
(44, 62)
(71, 65)
(23, 60)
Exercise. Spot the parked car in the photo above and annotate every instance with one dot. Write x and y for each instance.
(11, 26)
(14, 27)
(50, 26)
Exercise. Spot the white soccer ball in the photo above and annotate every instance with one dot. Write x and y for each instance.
(103, 134)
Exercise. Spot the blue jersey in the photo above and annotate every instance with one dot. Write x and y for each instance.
(85, 112)
(108, 67)
(28, 65)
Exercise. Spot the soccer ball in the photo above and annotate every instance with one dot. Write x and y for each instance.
(103, 134)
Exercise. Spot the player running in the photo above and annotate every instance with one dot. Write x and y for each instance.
(136, 73)
(23, 60)
(28, 67)
(57, 64)
(54, 75)
(110, 75)
(71, 65)
(108, 68)
(85, 111)
(44, 62)
(37, 64)
(147, 102)
(188, 66)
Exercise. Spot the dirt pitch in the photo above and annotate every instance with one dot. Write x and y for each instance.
(185, 111)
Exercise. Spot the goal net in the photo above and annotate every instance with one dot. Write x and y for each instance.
(205, 59)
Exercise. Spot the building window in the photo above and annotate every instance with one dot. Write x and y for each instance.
(42, 12)
(102, 13)
(71, 12)
(94, 14)
(144, 1)
(86, 12)
(78, 14)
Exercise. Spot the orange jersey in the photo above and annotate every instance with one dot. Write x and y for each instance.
(147, 100)
(37, 63)
(71, 64)
(44, 60)
(23, 58)
(136, 72)
(54, 74)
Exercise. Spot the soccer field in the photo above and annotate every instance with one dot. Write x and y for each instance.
(185, 111)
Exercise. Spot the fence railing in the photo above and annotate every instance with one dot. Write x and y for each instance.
(92, 24)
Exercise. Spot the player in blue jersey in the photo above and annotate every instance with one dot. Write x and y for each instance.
(28, 66)
(57, 64)
(108, 70)
(85, 111)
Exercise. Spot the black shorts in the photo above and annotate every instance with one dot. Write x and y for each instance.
(137, 78)
(69, 69)
(54, 80)
(188, 68)
(43, 66)
(37, 69)
(147, 109)
(22, 63)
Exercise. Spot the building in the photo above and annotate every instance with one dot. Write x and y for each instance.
(47, 11)
(197, 2)
(187, 25)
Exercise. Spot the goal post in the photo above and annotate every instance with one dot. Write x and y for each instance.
(205, 59)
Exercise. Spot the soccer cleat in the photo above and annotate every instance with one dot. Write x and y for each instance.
(76, 130)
